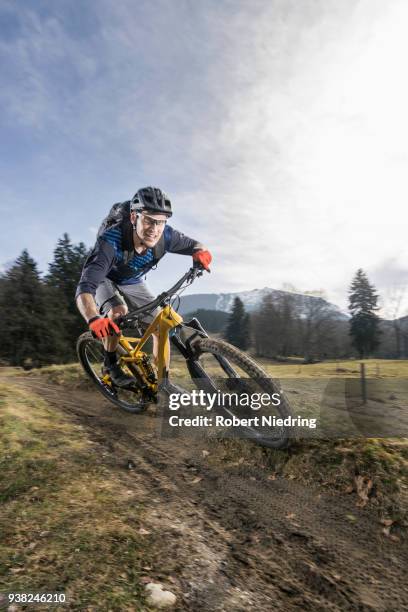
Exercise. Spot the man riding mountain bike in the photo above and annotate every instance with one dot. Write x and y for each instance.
(112, 278)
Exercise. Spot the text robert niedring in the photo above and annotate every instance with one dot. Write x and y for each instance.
(233, 421)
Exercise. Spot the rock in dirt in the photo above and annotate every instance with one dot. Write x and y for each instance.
(158, 597)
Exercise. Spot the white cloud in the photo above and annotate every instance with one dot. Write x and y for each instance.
(317, 146)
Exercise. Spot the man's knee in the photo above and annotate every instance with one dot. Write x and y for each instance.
(117, 311)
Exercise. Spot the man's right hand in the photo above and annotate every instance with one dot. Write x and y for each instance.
(103, 327)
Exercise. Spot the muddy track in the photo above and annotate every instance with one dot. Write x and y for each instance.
(232, 539)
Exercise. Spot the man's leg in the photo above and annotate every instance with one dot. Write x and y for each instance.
(136, 296)
(110, 343)
(111, 304)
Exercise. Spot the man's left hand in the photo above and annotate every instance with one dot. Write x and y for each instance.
(203, 257)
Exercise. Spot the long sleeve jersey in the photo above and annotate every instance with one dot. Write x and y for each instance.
(108, 260)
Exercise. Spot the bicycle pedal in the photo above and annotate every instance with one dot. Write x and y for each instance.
(106, 379)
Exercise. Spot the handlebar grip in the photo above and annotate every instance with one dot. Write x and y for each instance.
(199, 266)
(119, 321)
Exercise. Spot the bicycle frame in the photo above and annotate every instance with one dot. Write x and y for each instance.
(166, 320)
(163, 323)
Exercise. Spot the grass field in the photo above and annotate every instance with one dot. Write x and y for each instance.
(375, 368)
(329, 391)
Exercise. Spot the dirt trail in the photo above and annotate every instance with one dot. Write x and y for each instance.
(232, 539)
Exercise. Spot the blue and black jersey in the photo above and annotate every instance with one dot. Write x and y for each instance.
(109, 260)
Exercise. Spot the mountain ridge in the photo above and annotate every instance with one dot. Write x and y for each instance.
(252, 300)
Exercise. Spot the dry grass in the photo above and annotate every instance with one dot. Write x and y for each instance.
(335, 464)
(68, 522)
(375, 368)
(68, 374)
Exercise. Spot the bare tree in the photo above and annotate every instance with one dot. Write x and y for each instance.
(275, 326)
(318, 328)
(393, 309)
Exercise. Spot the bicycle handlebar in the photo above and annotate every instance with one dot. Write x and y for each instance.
(160, 300)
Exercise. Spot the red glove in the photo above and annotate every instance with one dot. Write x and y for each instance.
(204, 258)
(103, 327)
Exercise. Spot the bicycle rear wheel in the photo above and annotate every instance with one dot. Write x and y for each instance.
(91, 356)
(225, 369)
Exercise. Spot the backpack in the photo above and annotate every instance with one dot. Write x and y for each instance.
(119, 215)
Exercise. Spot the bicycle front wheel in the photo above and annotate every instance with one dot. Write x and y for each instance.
(91, 356)
(241, 384)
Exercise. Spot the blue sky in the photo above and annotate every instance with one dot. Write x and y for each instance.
(278, 127)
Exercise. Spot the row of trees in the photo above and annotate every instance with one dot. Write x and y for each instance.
(282, 326)
(40, 319)
(41, 322)
(279, 328)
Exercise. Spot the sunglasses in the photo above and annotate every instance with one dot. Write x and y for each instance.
(151, 222)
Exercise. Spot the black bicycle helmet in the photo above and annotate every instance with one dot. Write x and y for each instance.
(151, 199)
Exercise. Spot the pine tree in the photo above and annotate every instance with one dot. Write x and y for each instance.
(364, 322)
(33, 332)
(65, 269)
(62, 279)
(237, 331)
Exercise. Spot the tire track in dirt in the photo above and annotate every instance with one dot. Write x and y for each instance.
(273, 545)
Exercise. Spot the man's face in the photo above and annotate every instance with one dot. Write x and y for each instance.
(150, 226)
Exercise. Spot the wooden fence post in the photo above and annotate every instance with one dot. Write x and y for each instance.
(363, 383)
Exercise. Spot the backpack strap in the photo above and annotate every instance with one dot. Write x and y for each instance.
(163, 245)
(127, 240)
(160, 248)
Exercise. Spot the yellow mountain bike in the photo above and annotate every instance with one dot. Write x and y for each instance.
(213, 366)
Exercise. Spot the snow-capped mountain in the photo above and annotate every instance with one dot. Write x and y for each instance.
(253, 299)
